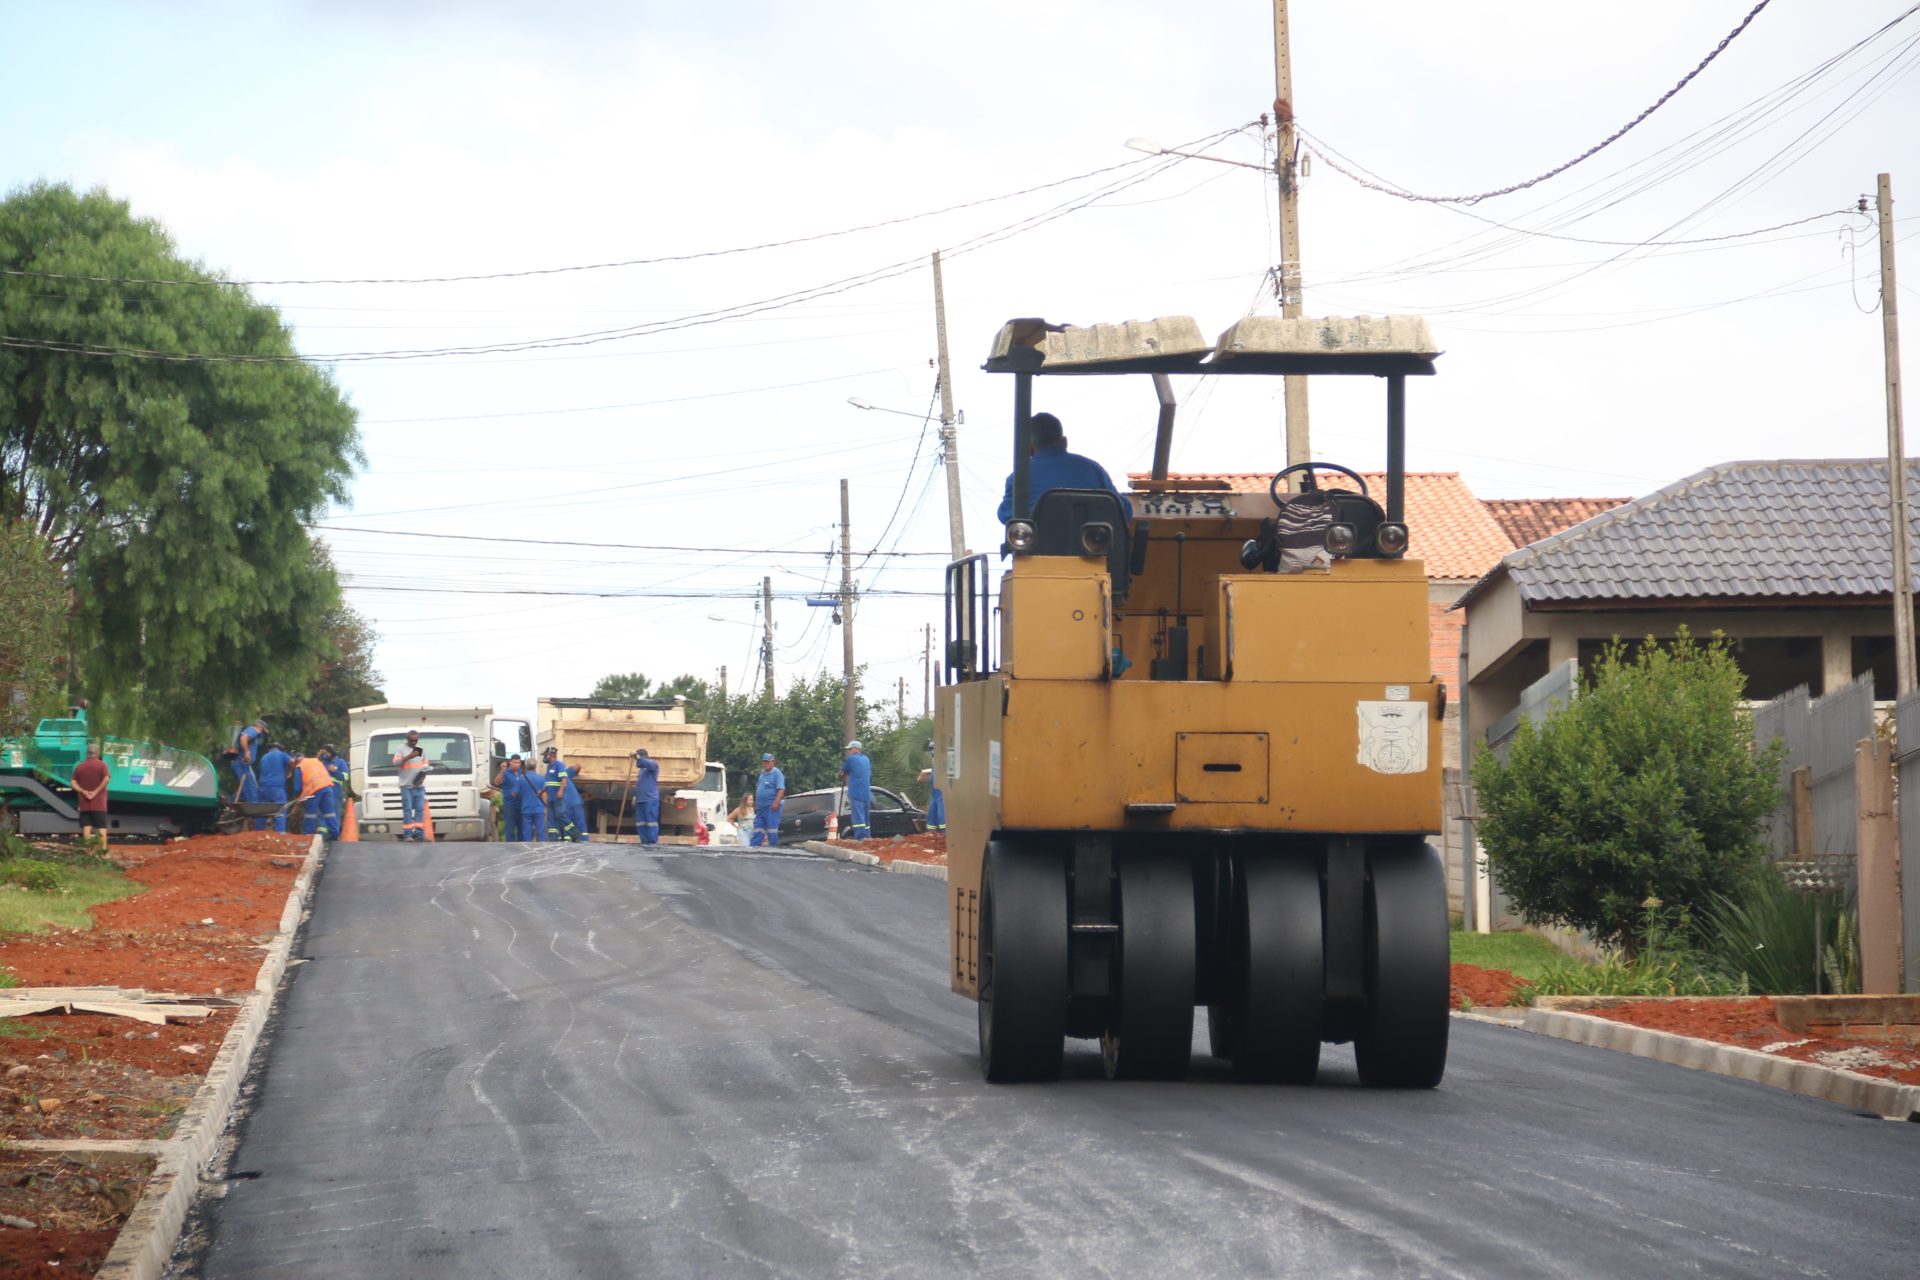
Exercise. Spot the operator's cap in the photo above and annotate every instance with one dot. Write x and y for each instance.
(854, 746)
(766, 756)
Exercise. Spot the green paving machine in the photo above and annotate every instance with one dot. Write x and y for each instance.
(153, 791)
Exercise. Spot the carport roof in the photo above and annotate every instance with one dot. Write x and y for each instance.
(1754, 531)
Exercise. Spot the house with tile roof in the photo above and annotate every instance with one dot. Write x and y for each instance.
(1790, 559)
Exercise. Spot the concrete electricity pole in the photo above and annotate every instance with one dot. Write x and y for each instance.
(1287, 168)
(723, 682)
(766, 640)
(949, 437)
(1896, 451)
(851, 699)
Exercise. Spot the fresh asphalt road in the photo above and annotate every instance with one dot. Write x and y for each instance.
(553, 1060)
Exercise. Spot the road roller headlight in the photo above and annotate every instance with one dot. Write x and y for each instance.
(1340, 539)
(1392, 539)
(1096, 538)
(1020, 535)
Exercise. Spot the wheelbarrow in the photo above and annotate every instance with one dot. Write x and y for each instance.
(235, 816)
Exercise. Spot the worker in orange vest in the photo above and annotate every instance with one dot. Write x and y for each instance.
(316, 792)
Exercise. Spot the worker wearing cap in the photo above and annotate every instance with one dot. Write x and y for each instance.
(272, 781)
(244, 752)
(316, 793)
(410, 761)
(856, 775)
(646, 797)
(559, 810)
(524, 782)
(936, 803)
(337, 770)
(768, 791)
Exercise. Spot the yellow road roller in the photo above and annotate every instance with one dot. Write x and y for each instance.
(1192, 758)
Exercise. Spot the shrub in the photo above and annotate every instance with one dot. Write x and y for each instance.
(1646, 787)
(30, 873)
(1763, 934)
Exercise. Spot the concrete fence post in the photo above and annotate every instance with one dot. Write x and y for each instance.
(1878, 864)
(1800, 804)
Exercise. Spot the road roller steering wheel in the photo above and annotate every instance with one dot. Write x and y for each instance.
(1277, 488)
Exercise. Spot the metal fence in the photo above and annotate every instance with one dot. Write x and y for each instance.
(1906, 720)
(1819, 733)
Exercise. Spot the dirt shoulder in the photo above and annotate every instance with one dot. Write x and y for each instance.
(199, 929)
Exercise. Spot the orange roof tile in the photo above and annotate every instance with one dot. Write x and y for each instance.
(1447, 527)
(1527, 520)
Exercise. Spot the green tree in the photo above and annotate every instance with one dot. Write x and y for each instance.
(33, 600)
(1646, 787)
(801, 727)
(630, 684)
(343, 678)
(173, 492)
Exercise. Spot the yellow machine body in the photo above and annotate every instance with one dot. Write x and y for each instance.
(1314, 711)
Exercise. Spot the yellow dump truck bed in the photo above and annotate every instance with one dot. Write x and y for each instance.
(600, 735)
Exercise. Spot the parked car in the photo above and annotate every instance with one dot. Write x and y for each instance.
(804, 816)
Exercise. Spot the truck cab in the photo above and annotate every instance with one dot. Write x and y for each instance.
(459, 742)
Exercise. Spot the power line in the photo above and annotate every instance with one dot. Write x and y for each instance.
(594, 337)
(1589, 153)
(585, 266)
(570, 542)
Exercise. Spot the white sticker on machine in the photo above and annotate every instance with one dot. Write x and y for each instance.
(953, 749)
(1393, 736)
(993, 768)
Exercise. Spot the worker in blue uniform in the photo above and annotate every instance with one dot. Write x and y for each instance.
(533, 804)
(768, 791)
(243, 756)
(271, 778)
(856, 775)
(510, 794)
(1054, 468)
(936, 803)
(646, 797)
(338, 771)
(576, 805)
(559, 812)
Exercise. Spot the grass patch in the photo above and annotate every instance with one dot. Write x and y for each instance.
(62, 893)
(22, 1029)
(1525, 955)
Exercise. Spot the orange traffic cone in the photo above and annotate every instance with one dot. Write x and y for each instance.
(833, 825)
(350, 825)
(426, 816)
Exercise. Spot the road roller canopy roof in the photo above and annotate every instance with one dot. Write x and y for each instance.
(1380, 346)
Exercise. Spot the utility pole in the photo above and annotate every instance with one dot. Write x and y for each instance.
(949, 437)
(852, 697)
(766, 639)
(1287, 168)
(723, 682)
(1896, 451)
(926, 675)
(901, 714)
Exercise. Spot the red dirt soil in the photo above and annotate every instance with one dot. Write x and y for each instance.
(929, 847)
(1477, 988)
(199, 928)
(1750, 1024)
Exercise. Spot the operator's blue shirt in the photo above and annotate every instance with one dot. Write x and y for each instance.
(250, 743)
(1055, 468)
(770, 784)
(646, 785)
(859, 771)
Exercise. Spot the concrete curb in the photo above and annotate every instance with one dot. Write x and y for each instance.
(145, 1243)
(902, 866)
(1830, 1084)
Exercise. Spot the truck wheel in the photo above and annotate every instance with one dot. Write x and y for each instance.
(1403, 1044)
(1152, 1033)
(1023, 964)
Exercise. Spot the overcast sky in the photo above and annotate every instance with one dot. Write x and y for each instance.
(338, 139)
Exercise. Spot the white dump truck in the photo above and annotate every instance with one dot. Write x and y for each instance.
(600, 735)
(462, 746)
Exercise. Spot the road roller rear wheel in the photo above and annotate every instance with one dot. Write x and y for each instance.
(1403, 1043)
(1023, 964)
(1152, 1033)
(1281, 983)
